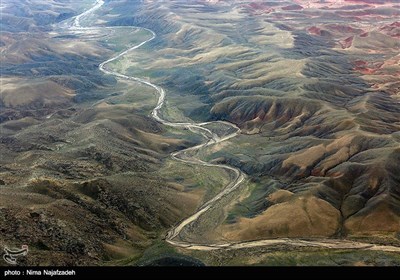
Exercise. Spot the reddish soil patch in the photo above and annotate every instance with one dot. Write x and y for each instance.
(292, 7)
(367, 68)
(314, 30)
(259, 8)
(346, 43)
(392, 30)
(360, 63)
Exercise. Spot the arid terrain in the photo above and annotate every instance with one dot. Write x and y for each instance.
(88, 175)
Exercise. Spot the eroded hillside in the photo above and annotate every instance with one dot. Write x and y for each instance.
(314, 89)
(86, 175)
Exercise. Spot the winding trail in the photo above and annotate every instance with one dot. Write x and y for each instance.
(238, 175)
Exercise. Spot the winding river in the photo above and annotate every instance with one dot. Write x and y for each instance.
(172, 236)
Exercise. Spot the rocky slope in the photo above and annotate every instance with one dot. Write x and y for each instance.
(79, 155)
(314, 88)
(84, 173)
